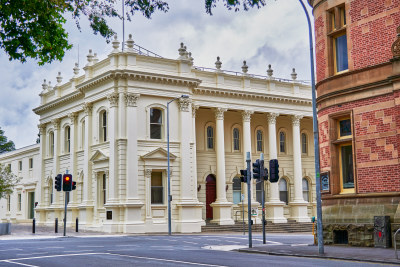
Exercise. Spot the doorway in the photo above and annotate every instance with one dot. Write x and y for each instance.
(31, 205)
(211, 195)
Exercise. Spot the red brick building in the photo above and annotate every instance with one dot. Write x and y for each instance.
(357, 44)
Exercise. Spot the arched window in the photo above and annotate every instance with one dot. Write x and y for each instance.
(103, 126)
(83, 135)
(306, 190)
(210, 137)
(282, 142)
(67, 139)
(237, 190)
(260, 141)
(283, 192)
(236, 139)
(304, 143)
(51, 144)
(156, 123)
(51, 192)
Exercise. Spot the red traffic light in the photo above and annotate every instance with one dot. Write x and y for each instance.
(67, 182)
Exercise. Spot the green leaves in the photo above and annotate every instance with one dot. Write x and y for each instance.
(7, 181)
(4, 144)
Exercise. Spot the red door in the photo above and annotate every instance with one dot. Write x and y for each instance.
(211, 195)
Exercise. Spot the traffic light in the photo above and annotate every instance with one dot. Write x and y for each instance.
(58, 182)
(273, 171)
(67, 182)
(243, 176)
(73, 185)
(257, 169)
(265, 174)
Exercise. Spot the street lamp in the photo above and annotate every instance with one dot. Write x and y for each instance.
(316, 142)
(169, 176)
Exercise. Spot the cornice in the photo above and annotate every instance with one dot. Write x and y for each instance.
(20, 151)
(250, 95)
(62, 100)
(139, 76)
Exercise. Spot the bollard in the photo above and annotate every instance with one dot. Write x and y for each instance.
(76, 227)
(56, 226)
(33, 226)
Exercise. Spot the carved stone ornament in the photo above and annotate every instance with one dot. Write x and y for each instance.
(272, 118)
(72, 116)
(184, 104)
(147, 173)
(219, 113)
(246, 115)
(296, 120)
(396, 45)
(87, 108)
(131, 99)
(42, 128)
(113, 98)
(194, 109)
(56, 124)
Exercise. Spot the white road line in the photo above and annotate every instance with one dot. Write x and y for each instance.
(167, 260)
(298, 245)
(49, 247)
(188, 242)
(53, 256)
(90, 246)
(126, 245)
(23, 264)
(34, 253)
(11, 249)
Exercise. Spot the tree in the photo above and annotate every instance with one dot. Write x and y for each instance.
(35, 28)
(7, 181)
(4, 144)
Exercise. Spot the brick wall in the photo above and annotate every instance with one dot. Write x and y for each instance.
(376, 140)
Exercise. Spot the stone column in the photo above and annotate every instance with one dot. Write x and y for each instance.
(246, 116)
(194, 164)
(221, 207)
(147, 177)
(133, 218)
(188, 205)
(39, 191)
(72, 158)
(298, 206)
(58, 196)
(274, 206)
(86, 207)
(112, 133)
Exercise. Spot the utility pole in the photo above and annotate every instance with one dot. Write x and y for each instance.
(248, 160)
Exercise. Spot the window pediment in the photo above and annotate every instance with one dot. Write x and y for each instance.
(99, 156)
(158, 154)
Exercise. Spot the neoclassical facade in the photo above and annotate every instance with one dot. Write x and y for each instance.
(108, 128)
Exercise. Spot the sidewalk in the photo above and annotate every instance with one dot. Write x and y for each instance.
(376, 255)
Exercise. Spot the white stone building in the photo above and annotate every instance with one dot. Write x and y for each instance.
(108, 128)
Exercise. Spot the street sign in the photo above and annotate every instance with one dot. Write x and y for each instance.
(254, 211)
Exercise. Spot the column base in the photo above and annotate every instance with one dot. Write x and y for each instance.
(222, 213)
(190, 220)
(133, 222)
(299, 212)
(274, 212)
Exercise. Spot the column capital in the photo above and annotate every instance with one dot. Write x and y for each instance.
(56, 124)
(272, 117)
(147, 173)
(296, 120)
(87, 108)
(131, 99)
(184, 104)
(72, 116)
(113, 98)
(219, 113)
(194, 110)
(246, 115)
(42, 128)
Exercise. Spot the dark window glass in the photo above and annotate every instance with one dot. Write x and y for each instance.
(259, 141)
(157, 189)
(283, 193)
(210, 137)
(237, 190)
(347, 166)
(305, 190)
(236, 139)
(104, 126)
(155, 123)
(341, 53)
(259, 192)
(282, 142)
(345, 127)
(104, 189)
(304, 143)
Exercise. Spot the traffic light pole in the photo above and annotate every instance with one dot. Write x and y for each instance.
(262, 195)
(248, 160)
(65, 213)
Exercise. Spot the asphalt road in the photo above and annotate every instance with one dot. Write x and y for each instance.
(157, 250)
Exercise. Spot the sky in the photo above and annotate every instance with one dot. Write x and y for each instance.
(275, 34)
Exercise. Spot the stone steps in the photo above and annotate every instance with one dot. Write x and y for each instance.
(290, 227)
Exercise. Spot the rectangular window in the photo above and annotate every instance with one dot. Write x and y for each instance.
(341, 62)
(104, 189)
(338, 36)
(155, 123)
(83, 135)
(51, 144)
(9, 167)
(8, 203)
(19, 202)
(30, 163)
(346, 168)
(157, 189)
(344, 128)
(259, 141)
(20, 165)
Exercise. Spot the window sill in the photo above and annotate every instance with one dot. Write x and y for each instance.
(336, 32)
(341, 141)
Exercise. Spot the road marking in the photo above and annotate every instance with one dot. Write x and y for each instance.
(126, 245)
(235, 242)
(224, 247)
(81, 250)
(49, 247)
(167, 260)
(90, 246)
(26, 254)
(188, 242)
(11, 249)
(53, 256)
(23, 264)
(298, 245)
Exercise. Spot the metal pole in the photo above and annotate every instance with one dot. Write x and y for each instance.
(316, 141)
(244, 231)
(65, 213)
(248, 160)
(262, 195)
(76, 224)
(56, 226)
(169, 178)
(33, 226)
